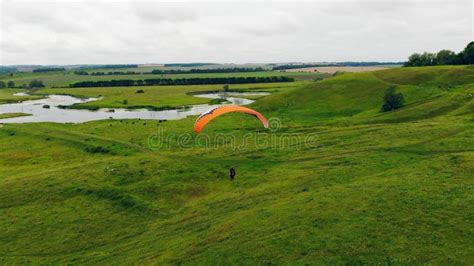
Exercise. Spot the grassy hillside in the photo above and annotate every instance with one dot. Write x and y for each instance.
(357, 98)
(437, 75)
(339, 182)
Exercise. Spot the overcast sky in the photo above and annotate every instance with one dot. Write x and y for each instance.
(82, 32)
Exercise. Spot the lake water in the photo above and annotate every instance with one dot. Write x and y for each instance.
(59, 115)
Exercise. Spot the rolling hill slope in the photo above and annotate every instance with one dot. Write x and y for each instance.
(337, 182)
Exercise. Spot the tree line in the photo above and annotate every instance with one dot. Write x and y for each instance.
(182, 81)
(108, 66)
(101, 73)
(294, 66)
(172, 71)
(9, 84)
(48, 69)
(443, 57)
(7, 69)
(189, 64)
(209, 70)
(33, 84)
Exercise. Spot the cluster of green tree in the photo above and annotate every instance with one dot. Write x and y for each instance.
(215, 70)
(184, 81)
(443, 57)
(108, 66)
(36, 84)
(33, 84)
(7, 69)
(347, 63)
(189, 64)
(81, 72)
(9, 84)
(48, 69)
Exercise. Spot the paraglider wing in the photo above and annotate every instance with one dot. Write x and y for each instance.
(218, 111)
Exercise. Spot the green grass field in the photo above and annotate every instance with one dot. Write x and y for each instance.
(158, 96)
(63, 79)
(338, 182)
(7, 96)
(11, 115)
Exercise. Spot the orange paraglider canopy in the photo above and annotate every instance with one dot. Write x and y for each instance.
(218, 111)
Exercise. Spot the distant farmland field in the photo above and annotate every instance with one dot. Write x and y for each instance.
(334, 69)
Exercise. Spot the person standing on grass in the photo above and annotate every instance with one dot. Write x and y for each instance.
(232, 173)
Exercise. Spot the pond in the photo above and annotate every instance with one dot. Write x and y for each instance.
(47, 109)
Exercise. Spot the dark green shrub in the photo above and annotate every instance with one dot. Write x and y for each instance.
(36, 84)
(392, 100)
(97, 149)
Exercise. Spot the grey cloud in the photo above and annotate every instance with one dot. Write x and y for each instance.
(163, 12)
(144, 32)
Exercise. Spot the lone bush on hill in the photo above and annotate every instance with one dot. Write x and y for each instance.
(392, 99)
